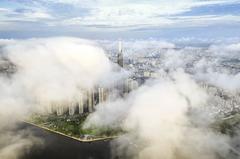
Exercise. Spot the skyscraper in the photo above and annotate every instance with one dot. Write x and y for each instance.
(81, 104)
(71, 108)
(90, 100)
(102, 94)
(120, 55)
(130, 85)
(120, 84)
(60, 109)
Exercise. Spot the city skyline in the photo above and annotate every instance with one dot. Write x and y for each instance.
(104, 79)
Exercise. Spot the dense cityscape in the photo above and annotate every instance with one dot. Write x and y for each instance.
(104, 79)
(146, 66)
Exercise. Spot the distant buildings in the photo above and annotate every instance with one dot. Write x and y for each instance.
(130, 85)
(221, 102)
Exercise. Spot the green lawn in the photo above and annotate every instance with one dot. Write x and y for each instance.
(72, 125)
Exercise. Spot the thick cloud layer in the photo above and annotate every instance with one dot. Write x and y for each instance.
(167, 117)
(170, 117)
(37, 72)
(157, 119)
(53, 69)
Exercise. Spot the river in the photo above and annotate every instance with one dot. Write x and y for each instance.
(56, 146)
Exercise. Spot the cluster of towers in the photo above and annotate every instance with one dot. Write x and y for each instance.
(87, 100)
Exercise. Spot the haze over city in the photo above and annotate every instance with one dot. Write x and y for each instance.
(105, 79)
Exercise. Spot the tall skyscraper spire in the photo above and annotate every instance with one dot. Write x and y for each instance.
(120, 46)
(120, 54)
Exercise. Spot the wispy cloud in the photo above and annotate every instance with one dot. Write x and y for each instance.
(121, 15)
(24, 14)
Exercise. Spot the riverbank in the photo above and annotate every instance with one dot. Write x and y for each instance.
(72, 137)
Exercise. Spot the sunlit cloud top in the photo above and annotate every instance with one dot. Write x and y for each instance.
(130, 17)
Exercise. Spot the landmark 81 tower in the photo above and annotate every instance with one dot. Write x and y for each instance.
(120, 54)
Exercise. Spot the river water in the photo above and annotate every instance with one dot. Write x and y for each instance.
(56, 146)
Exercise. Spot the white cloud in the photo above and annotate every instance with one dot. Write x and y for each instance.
(131, 19)
(3, 10)
(206, 20)
(119, 15)
(37, 15)
(167, 7)
(48, 70)
(26, 14)
(130, 14)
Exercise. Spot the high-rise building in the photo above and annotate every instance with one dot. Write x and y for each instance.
(81, 104)
(60, 110)
(50, 108)
(120, 84)
(133, 85)
(72, 108)
(130, 85)
(90, 101)
(120, 55)
(102, 94)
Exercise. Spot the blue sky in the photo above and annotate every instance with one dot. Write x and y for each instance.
(109, 19)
